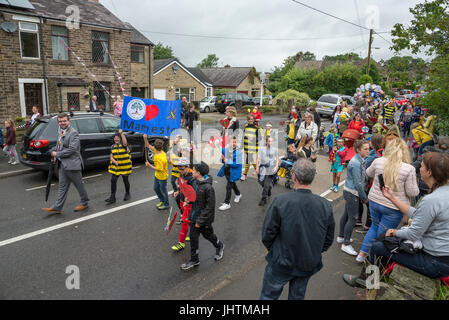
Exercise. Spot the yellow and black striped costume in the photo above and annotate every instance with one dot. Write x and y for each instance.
(174, 162)
(251, 138)
(123, 156)
(389, 111)
(251, 145)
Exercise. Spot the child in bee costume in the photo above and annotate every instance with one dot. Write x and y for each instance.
(120, 165)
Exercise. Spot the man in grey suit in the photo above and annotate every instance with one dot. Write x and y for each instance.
(67, 153)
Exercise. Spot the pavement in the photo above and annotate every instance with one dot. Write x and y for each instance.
(9, 170)
(123, 252)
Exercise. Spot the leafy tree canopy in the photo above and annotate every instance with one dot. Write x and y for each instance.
(162, 52)
(211, 61)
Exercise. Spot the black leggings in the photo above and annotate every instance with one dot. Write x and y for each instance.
(114, 179)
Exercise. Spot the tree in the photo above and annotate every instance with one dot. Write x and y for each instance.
(211, 61)
(343, 57)
(161, 52)
(429, 31)
(307, 56)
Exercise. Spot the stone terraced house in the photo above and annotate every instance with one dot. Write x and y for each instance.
(47, 63)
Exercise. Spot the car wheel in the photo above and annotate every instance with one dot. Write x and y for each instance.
(150, 156)
(207, 109)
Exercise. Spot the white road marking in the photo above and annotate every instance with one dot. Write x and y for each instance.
(76, 221)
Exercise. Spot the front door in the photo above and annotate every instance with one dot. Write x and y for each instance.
(33, 97)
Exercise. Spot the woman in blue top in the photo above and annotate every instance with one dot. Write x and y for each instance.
(353, 193)
(232, 170)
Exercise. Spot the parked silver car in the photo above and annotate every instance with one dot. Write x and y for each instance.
(327, 102)
(208, 104)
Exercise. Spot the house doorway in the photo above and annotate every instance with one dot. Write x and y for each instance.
(33, 97)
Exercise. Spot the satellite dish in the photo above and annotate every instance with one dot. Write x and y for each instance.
(9, 27)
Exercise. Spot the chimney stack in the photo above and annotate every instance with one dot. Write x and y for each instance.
(299, 56)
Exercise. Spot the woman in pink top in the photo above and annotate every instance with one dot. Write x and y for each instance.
(118, 106)
(397, 172)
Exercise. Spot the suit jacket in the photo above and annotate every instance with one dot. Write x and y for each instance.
(70, 153)
(91, 106)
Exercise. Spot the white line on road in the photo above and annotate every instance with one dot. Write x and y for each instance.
(325, 193)
(72, 222)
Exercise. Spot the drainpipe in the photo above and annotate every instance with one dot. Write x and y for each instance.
(44, 63)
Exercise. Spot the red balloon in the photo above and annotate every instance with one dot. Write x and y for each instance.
(151, 112)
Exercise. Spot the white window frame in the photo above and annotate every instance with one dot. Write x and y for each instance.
(29, 31)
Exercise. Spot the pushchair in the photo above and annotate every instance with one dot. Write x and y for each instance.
(288, 175)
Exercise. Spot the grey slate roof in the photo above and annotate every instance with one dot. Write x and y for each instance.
(200, 75)
(91, 12)
(159, 64)
(137, 37)
(226, 77)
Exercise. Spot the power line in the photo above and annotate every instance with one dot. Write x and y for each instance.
(245, 38)
(330, 15)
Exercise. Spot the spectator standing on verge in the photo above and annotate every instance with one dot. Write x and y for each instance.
(118, 107)
(10, 144)
(298, 227)
(266, 168)
(183, 109)
(353, 193)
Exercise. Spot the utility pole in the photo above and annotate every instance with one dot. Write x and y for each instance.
(369, 50)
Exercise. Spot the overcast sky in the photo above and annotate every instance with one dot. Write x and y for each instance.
(262, 19)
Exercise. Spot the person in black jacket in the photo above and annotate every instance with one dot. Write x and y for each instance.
(298, 227)
(191, 117)
(202, 216)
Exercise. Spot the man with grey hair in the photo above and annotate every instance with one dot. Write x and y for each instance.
(299, 226)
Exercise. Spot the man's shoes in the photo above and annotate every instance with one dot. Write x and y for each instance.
(269, 193)
(224, 206)
(190, 265)
(127, 197)
(262, 202)
(159, 204)
(80, 208)
(237, 198)
(51, 210)
(110, 200)
(348, 249)
(358, 223)
(363, 231)
(14, 163)
(163, 207)
(219, 252)
(360, 259)
(178, 247)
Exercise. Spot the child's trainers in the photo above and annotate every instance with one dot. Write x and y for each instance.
(178, 247)
(332, 188)
(336, 189)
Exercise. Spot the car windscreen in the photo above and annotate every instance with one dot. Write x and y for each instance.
(206, 99)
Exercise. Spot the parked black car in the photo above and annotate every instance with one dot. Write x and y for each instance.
(96, 132)
(228, 99)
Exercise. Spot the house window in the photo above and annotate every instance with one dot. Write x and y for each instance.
(138, 54)
(73, 101)
(59, 43)
(103, 100)
(185, 92)
(100, 47)
(29, 40)
(138, 92)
